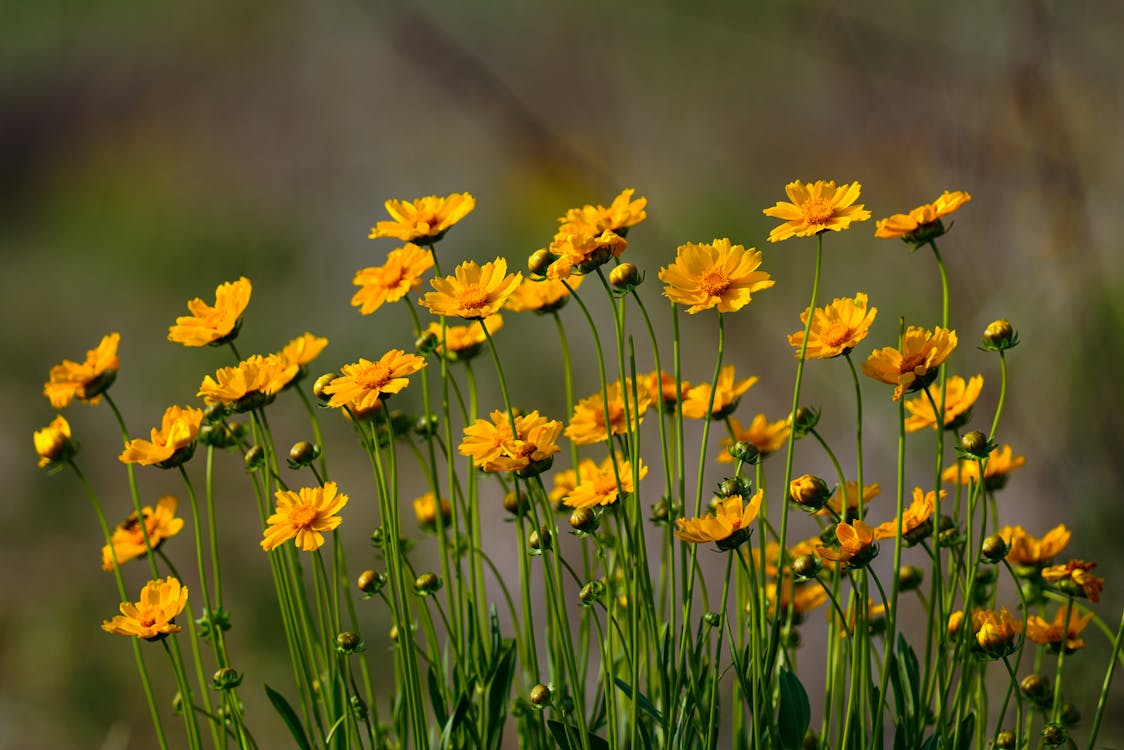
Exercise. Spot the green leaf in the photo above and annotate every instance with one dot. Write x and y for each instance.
(499, 688)
(434, 683)
(451, 725)
(332, 731)
(964, 731)
(793, 713)
(642, 700)
(932, 743)
(567, 737)
(289, 716)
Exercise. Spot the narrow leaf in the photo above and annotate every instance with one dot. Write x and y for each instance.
(289, 716)
(793, 713)
(642, 700)
(567, 737)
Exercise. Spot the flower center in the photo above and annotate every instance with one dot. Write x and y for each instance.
(912, 363)
(472, 298)
(714, 283)
(303, 516)
(147, 618)
(817, 211)
(375, 376)
(835, 334)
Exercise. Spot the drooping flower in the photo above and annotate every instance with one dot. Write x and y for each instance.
(915, 366)
(425, 510)
(171, 444)
(252, 383)
(916, 519)
(589, 423)
(423, 220)
(621, 214)
(856, 545)
(1074, 578)
(581, 252)
(86, 380)
(597, 484)
(152, 616)
(726, 396)
(160, 523)
(958, 400)
(464, 342)
(364, 383)
(1028, 551)
(924, 222)
(995, 632)
(728, 525)
(714, 275)
(844, 503)
(767, 437)
(213, 325)
(392, 280)
(816, 207)
(529, 451)
(53, 443)
(1059, 633)
(473, 292)
(1000, 463)
(304, 515)
(541, 295)
(836, 328)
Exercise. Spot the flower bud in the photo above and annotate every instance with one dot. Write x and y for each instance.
(806, 566)
(349, 643)
(809, 492)
(975, 444)
(540, 542)
(53, 443)
(591, 593)
(254, 458)
(427, 583)
(734, 486)
(393, 634)
(909, 577)
(1070, 715)
(516, 503)
(370, 582)
(426, 427)
(584, 520)
(745, 452)
(807, 417)
(994, 548)
(302, 454)
(177, 703)
(219, 434)
(427, 343)
(955, 621)
(539, 262)
(540, 696)
(1037, 687)
(660, 513)
(625, 277)
(999, 335)
(1054, 734)
(320, 384)
(226, 679)
(1005, 740)
(712, 619)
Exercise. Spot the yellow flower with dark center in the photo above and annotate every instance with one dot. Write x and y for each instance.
(856, 545)
(726, 396)
(915, 366)
(424, 220)
(844, 503)
(1074, 578)
(365, 383)
(924, 222)
(728, 525)
(1028, 551)
(541, 295)
(213, 325)
(621, 214)
(1060, 633)
(1000, 463)
(916, 519)
(425, 510)
(392, 280)
(86, 380)
(995, 632)
(304, 515)
(836, 328)
(959, 397)
(597, 484)
(767, 437)
(171, 444)
(581, 252)
(252, 383)
(151, 617)
(714, 275)
(473, 291)
(464, 342)
(53, 443)
(589, 423)
(816, 207)
(128, 538)
(528, 451)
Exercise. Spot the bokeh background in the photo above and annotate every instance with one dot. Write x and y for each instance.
(152, 151)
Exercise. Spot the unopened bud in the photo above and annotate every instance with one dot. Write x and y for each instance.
(539, 261)
(1054, 734)
(540, 696)
(539, 542)
(320, 384)
(226, 679)
(994, 548)
(302, 454)
(584, 520)
(370, 582)
(810, 492)
(975, 444)
(909, 577)
(254, 458)
(807, 566)
(625, 277)
(349, 643)
(1000, 335)
(427, 583)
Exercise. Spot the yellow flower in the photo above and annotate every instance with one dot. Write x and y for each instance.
(53, 443)
(836, 328)
(1000, 463)
(171, 444)
(1059, 633)
(425, 510)
(1074, 578)
(303, 515)
(564, 483)
(528, 452)
(797, 598)
(151, 617)
(597, 485)
(473, 292)
(128, 538)
(915, 366)
(464, 342)
(581, 252)
(767, 437)
(995, 632)
(725, 396)
(621, 214)
(253, 383)
(425, 219)
(1025, 550)
(916, 519)
(364, 383)
(847, 497)
(958, 400)
(856, 545)
(661, 389)
(875, 619)
(588, 423)
(816, 207)
(714, 275)
(85, 381)
(393, 280)
(213, 325)
(728, 525)
(541, 295)
(924, 222)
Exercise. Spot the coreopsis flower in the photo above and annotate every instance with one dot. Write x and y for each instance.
(53, 443)
(621, 214)
(726, 396)
(392, 280)
(856, 545)
(171, 444)
(816, 207)
(582, 252)
(300, 351)
(1000, 463)
(151, 618)
(564, 483)
(252, 383)
(463, 342)
(597, 484)
(995, 633)
(589, 423)
(425, 510)
(86, 380)
(160, 524)
(541, 295)
(1059, 633)
(836, 328)
(364, 383)
(767, 437)
(797, 598)
(1074, 578)
(528, 451)
(473, 292)
(214, 325)
(423, 220)
(728, 525)
(924, 222)
(304, 515)
(714, 275)
(1027, 551)
(959, 397)
(875, 619)
(661, 389)
(915, 366)
(844, 503)
(916, 519)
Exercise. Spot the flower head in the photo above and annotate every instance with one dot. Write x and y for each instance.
(529, 451)
(582, 252)
(304, 515)
(835, 329)
(213, 325)
(87, 380)
(959, 397)
(767, 437)
(424, 220)
(1028, 551)
(252, 383)
(995, 632)
(151, 617)
(1000, 463)
(464, 342)
(1060, 633)
(621, 214)
(1074, 578)
(816, 207)
(473, 291)
(425, 510)
(728, 524)
(726, 395)
(714, 275)
(53, 443)
(916, 519)
(856, 545)
(300, 351)
(797, 598)
(541, 295)
(128, 538)
(392, 280)
(924, 222)
(171, 444)
(364, 383)
(915, 365)
(597, 484)
(845, 501)
(589, 423)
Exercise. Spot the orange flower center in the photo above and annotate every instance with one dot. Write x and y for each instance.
(912, 362)
(605, 487)
(714, 283)
(375, 376)
(835, 334)
(392, 275)
(521, 449)
(147, 618)
(472, 298)
(303, 516)
(817, 211)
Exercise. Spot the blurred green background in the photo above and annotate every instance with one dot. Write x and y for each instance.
(152, 151)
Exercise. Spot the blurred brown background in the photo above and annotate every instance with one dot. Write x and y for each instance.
(151, 151)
